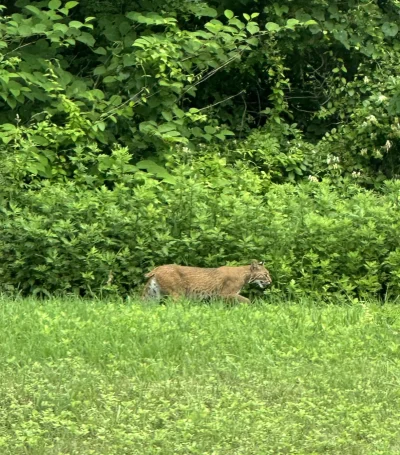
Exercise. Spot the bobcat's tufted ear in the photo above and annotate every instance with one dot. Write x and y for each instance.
(254, 265)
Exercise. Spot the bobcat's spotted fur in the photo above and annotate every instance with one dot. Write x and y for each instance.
(224, 282)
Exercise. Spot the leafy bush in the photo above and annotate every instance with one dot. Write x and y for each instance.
(315, 238)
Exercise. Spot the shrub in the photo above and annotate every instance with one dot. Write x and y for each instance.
(66, 237)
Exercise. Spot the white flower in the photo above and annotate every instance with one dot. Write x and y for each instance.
(372, 119)
(364, 152)
(388, 145)
(312, 178)
(332, 159)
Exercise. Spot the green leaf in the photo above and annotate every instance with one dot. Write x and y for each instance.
(86, 38)
(178, 112)
(394, 105)
(70, 5)
(99, 70)
(25, 30)
(77, 87)
(15, 92)
(13, 85)
(100, 51)
(8, 127)
(302, 16)
(109, 79)
(291, 23)
(253, 28)
(75, 24)
(342, 36)
(155, 169)
(34, 10)
(205, 11)
(167, 127)
(40, 140)
(227, 133)
(39, 28)
(167, 116)
(253, 41)
(6, 139)
(54, 4)
(133, 16)
(62, 27)
(129, 59)
(141, 42)
(148, 127)
(228, 13)
(280, 10)
(272, 26)
(390, 29)
(214, 27)
(115, 100)
(197, 132)
(101, 126)
(209, 129)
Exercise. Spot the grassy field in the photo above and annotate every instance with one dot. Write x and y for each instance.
(110, 378)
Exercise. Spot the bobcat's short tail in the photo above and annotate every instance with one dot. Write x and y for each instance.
(152, 273)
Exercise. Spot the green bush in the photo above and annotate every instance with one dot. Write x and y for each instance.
(66, 237)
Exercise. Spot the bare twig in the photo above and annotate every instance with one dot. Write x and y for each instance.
(223, 101)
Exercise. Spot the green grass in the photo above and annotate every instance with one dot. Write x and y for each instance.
(93, 377)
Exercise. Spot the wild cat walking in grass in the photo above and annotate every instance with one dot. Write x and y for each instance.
(223, 282)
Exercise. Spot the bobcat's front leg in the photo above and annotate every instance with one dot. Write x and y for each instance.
(236, 298)
(175, 295)
(242, 299)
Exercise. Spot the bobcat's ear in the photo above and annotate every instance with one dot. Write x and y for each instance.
(254, 265)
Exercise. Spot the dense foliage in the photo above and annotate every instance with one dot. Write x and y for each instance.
(134, 133)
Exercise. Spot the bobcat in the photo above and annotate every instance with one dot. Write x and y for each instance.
(224, 282)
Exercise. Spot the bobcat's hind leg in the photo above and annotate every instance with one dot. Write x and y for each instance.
(175, 295)
(152, 290)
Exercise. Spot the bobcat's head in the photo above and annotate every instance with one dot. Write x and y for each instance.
(259, 274)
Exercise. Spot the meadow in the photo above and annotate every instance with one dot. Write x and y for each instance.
(95, 377)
